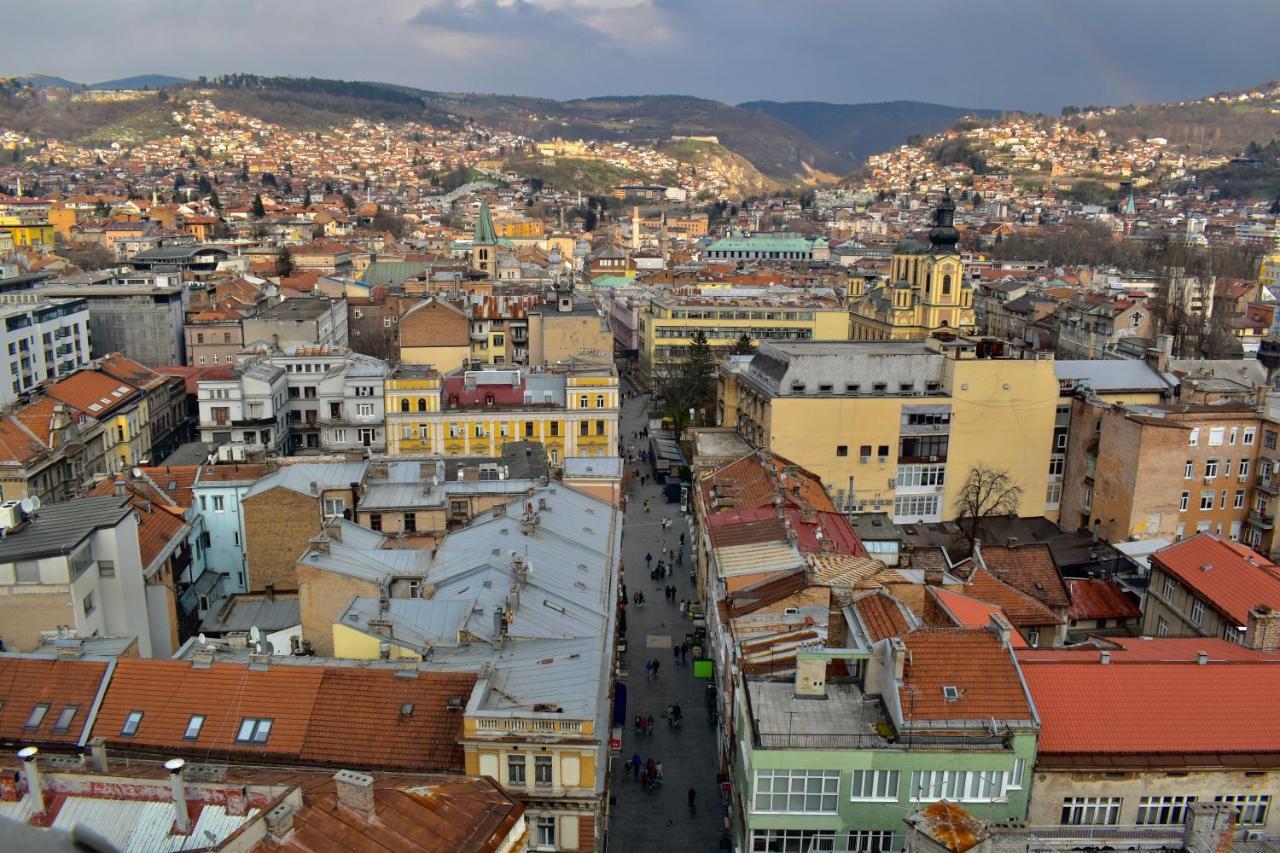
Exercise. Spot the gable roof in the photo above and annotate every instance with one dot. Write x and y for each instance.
(976, 663)
(26, 682)
(967, 612)
(1228, 576)
(881, 616)
(1029, 568)
(1139, 708)
(1022, 609)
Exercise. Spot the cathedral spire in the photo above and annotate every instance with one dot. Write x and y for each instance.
(484, 235)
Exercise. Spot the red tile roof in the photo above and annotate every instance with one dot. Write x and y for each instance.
(1141, 708)
(1022, 609)
(1029, 568)
(27, 682)
(1100, 599)
(968, 612)
(320, 715)
(87, 389)
(1228, 576)
(881, 616)
(975, 662)
(358, 719)
(1151, 649)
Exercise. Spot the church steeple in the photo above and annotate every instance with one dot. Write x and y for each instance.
(484, 235)
(943, 236)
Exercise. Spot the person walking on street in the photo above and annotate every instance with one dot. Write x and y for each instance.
(648, 560)
(639, 724)
(693, 797)
(650, 726)
(646, 504)
(656, 664)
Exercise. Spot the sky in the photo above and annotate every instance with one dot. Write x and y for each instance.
(1033, 55)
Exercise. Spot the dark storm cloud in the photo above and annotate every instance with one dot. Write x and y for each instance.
(1028, 54)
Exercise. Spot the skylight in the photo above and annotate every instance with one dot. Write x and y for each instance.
(130, 727)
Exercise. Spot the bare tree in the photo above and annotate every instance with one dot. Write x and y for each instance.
(987, 492)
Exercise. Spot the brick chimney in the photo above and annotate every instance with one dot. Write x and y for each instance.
(355, 792)
(1208, 827)
(1263, 629)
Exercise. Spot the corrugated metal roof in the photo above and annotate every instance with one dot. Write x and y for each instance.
(299, 477)
(757, 557)
(58, 528)
(137, 826)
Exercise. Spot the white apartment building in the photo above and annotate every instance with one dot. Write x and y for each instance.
(42, 339)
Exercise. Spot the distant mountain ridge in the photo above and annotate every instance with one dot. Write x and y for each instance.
(139, 81)
(857, 131)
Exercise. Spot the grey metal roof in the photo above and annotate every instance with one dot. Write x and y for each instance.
(421, 623)
(245, 612)
(58, 528)
(1117, 375)
(796, 369)
(296, 308)
(177, 253)
(299, 477)
(591, 466)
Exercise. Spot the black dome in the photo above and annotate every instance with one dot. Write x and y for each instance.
(943, 235)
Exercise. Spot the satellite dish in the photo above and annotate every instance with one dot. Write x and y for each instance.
(254, 634)
(137, 473)
(27, 505)
(202, 640)
(35, 503)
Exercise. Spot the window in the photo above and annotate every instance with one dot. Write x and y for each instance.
(1251, 809)
(879, 785)
(1193, 439)
(131, 722)
(921, 475)
(1091, 811)
(37, 716)
(515, 770)
(1191, 470)
(842, 450)
(87, 603)
(1182, 504)
(1244, 468)
(555, 427)
(26, 571)
(218, 505)
(254, 730)
(1216, 436)
(1033, 638)
(1206, 499)
(1053, 494)
(1056, 465)
(584, 428)
(1197, 611)
(972, 786)
(334, 507)
(542, 770)
(546, 832)
(1231, 437)
(1169, 586)
(865, 452)
(1019, 770)
(410, 522)
(1249, 433)
(375, 521)
(1210, 469)
(796, 841)
(599, 401)
(364, 410)
(582, 401)
(65, 716)
(872, 841)
(1238, 503)
(193, 727)
(796, 791)
(1162, 627)
(915, 506)
(1163, 811)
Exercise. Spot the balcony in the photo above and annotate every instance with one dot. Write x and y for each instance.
(1268, 485)
(1261, 520)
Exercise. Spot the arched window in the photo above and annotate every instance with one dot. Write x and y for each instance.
(422, 404)
(946, 285)
(404, 405)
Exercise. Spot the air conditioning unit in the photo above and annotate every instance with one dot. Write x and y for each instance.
(1255, 835)
(939, 489)
(10, 515)
(1208, 479)
(933, 459)
(864, 459)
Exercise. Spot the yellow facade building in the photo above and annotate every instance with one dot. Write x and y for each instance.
(896, 426)
(25, 232)
(411, 393)
(670, 322)
(572, 410)
(925, 292)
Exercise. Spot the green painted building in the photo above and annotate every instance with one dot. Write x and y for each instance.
(837, 765)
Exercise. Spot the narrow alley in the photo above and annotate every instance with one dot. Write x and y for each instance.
(660, 819)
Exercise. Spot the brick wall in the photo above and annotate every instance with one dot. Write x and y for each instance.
(23, 615)
(278, 524)
(322, 596)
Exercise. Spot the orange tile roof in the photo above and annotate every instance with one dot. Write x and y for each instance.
(967, 612)
(87, 388)
(1100, 599)
(975, 662)
(1146, 707)
(1022, 609)
(358, 720)
(25, 435)
(1236, 579)
(333, 716)
(1029, 568)
(128, 370)
(27, 682)
(170, 692)
(881, 616)
(1150, 649)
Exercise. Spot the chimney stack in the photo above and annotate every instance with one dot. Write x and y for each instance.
(898, 654)
(98, 754)
(932, 576)
(1202, 658)
(35, 788)
(181, 816)
(1000, 626)
(1263, 629)
(355, 792)
(1209, 827)
(1104, 658)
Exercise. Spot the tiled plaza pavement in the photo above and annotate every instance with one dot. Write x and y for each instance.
(660, 819)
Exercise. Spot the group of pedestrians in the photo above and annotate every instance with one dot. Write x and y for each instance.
(650, 772)
(680, 652)
(651, 669)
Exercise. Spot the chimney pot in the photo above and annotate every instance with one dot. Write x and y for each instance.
(98, 754)
(181, 815)
(355, 792)
(1104, 658)
(1202, 658)
(35, 787)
